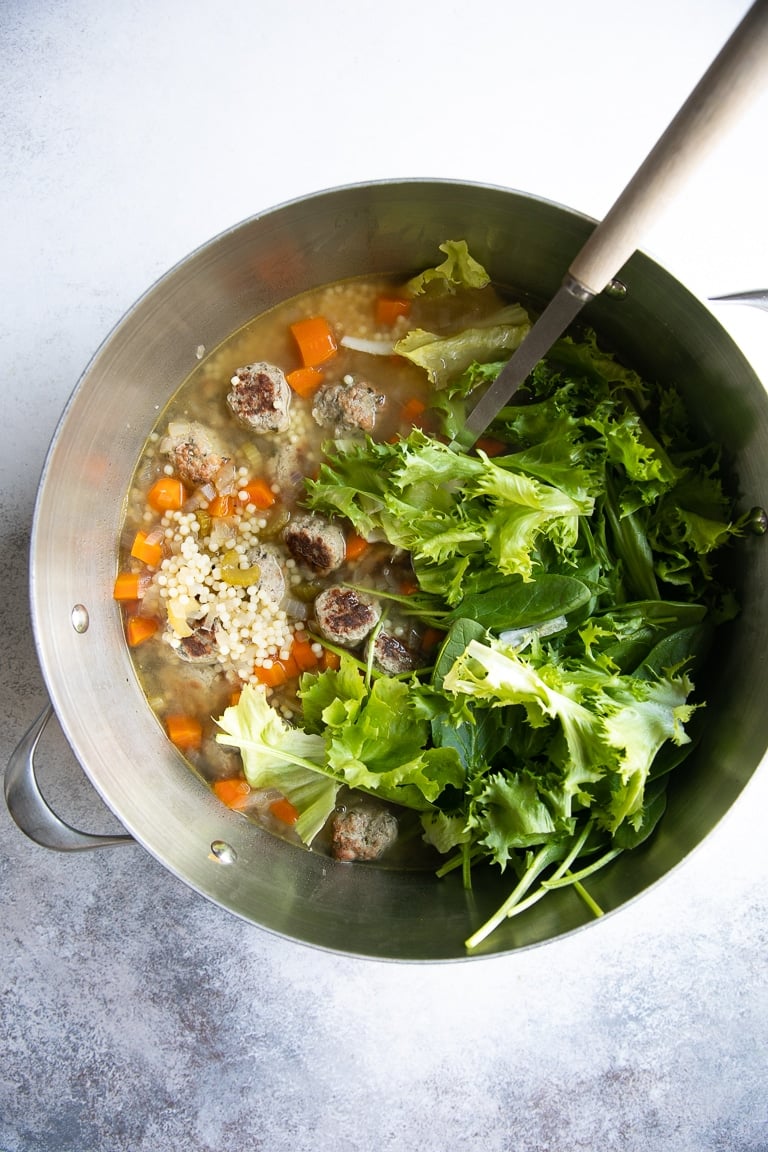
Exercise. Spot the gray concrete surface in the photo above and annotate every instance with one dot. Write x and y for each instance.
(134, 1015)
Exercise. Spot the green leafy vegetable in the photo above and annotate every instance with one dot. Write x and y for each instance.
(453, 513)
(458, 270)
(277, 755)
(372, 738)
(516, 603)
(443, 357)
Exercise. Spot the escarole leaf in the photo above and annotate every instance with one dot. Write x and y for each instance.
(377, 738)
(276, 755)
(524, 509)
(653, 712)
(487, 672)
(444, 357)
(373, 740)
(607, 728)
(584, 357)
(458, 270)
(452, 512)
(513, 815)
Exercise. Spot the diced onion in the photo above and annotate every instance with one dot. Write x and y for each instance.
(294, 608)
(225, 480)
(372, 347)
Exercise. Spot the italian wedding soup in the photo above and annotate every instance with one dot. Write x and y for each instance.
(390, 650)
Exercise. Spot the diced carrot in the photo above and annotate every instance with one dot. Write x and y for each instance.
(150, 554)
(257, 492)
(411, 410)
(127, 586)
(389, 309)
(330, 660)
(491, 446)
(221, 507)
(234, 793)
(315, 340)
(283, 810)
(408, 587)
(271, 677)
(304, 655)
(305, 381)
(186, 732)
(291, 667)
(167, 494)
(356, 545)
(140, 628)
(431, 638)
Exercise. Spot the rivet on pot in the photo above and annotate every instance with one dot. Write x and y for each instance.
(79, 617)
(223, 852)
(616, 289)
(757, 521)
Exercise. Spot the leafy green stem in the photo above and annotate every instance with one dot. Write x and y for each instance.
(545, 856)
(590, 902)
(574, 877)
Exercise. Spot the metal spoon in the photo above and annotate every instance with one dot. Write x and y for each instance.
(758, 298)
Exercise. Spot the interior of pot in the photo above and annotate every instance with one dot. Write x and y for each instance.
(526, 244)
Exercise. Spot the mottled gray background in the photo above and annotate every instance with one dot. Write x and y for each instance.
(134, 1015)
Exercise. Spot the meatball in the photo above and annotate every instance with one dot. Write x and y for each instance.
(260, 397)
(194, 452)
(316, 542)
(345, 616)
(391, 655)
(287, 467)
(346, 407)
(362, 833)
(200, 647)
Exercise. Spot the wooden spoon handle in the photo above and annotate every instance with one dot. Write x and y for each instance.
(733, 81)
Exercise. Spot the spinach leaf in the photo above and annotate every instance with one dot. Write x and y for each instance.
(523, 604)
(457, 641)
(681, 647)
(476, 741)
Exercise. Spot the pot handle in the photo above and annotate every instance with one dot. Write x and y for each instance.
(29, 808)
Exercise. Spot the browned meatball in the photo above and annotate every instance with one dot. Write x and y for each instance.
(260, 397)
(200, 647)
(194, 452)
(316, 542)
(346, 407)
(391, 655)
(345, 616)
(362, 833)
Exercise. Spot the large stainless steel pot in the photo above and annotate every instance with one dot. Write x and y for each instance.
(526, 243)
